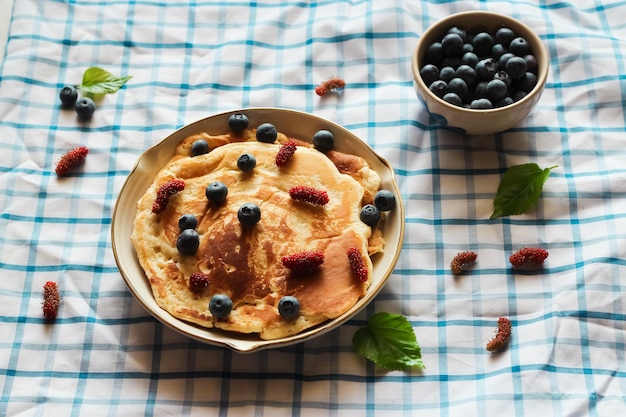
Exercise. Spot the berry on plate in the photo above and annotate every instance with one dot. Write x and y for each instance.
(238, 122)
(357, 264)
(285, 152)
(309, 195)
(246, 162)
(370, 215)
(289, 307)
(249, 214)
(220, 305)
(198, 282)
(216, 192)
(165, 192)
(187, 221)
(303, 261)
(385, 200)
(199, 147)
(187, 242)
(266, 133)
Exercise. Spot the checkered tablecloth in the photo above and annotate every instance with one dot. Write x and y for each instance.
(106, 356)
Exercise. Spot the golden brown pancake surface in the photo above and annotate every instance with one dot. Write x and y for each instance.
(244, 262)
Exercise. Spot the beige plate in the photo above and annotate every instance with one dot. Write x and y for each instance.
(294, 124)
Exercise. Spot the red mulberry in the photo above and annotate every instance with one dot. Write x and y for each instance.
(461, 260)
(303, 261)
(309, 195)
(357, 265)
(285, 153)
(51, 300)
(502, 337)
(164, 193)
(528, 256)
(198, 281)
(330, 85)
(71, 160)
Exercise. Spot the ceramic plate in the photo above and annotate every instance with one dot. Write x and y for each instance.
(294, 124)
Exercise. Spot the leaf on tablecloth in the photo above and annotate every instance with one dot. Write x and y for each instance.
(389, 341)
(519, 189)
(99, 81)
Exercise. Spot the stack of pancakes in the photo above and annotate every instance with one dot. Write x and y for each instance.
(245, 262)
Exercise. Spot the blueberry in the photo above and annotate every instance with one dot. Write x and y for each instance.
(199, 147)
(486, 68)
(370, 215)
(458, 31)
(85, 107)
(246, 162)
(187, 221)
(458, 86)
(188, 242)
(452, 45)
(68, 96)
(480, 91)
(503, 58)
(481, 103)
(434, 54)
(238, 122)
(429, 73)
(289, 307)
(519, 46)
(497, 50)
(453, 98)
(518, 95)
(266, 133)
(467, 47)
(451, 61)
(482, 42)
(249, 214)
(504, 36)
(439, 88)
(447, 73)
(469, 58)
(216, 192)
(496, 90)
(531, 63)
(323, 140)
(385, 200)
(527, 82)
(515, 67)
(504, 102)
(503, 76)
(467, 74)
(220, 305)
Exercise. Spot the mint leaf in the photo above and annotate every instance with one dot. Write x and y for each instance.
(389, 341)
(519, 189)
(98, 81)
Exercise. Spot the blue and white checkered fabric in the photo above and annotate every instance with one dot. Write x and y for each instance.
(106, 356)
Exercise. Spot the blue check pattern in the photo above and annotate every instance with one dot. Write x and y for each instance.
(105, 356)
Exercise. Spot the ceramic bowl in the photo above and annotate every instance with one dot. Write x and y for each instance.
(478, 121)
(295, 124)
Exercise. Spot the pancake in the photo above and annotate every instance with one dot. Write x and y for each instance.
(244, 262)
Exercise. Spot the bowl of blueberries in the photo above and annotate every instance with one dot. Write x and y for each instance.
(479, 72)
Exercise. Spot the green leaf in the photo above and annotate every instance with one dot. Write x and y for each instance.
(389, 341)
(519, 189)
(98, 81)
